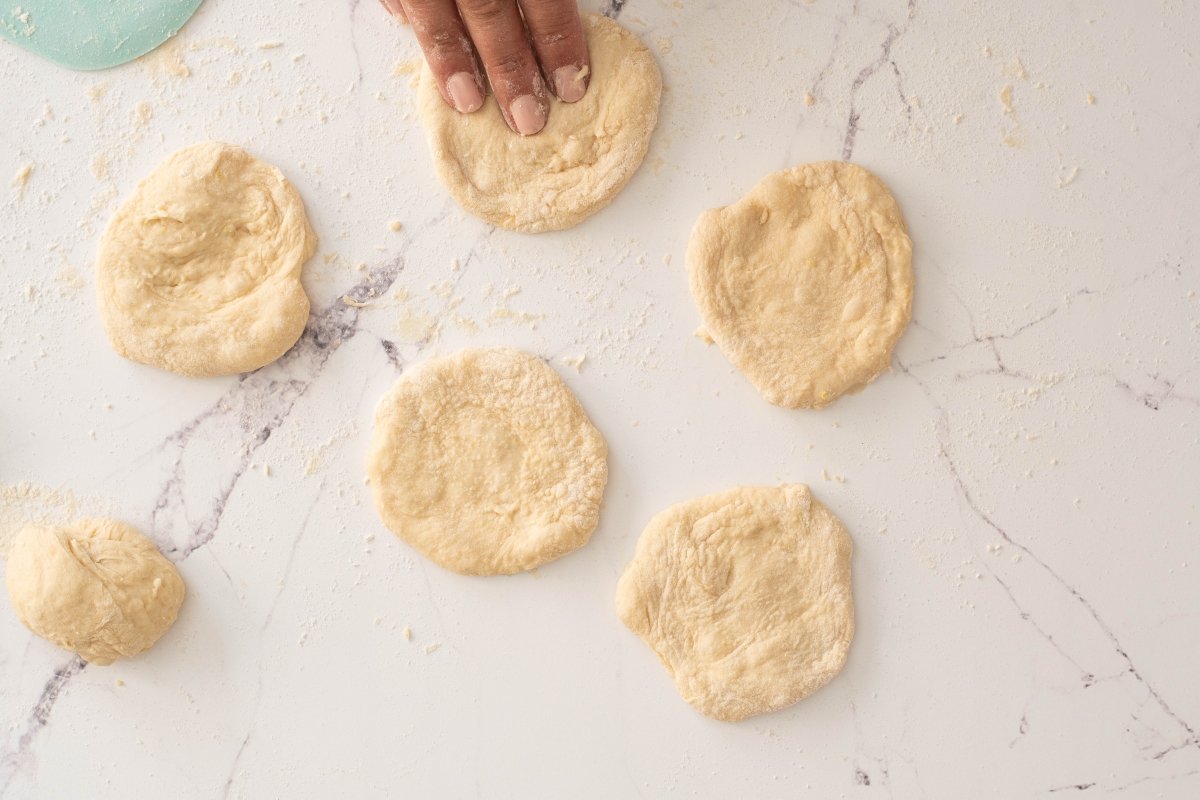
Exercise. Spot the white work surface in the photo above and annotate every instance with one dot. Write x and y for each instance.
(1021, 488)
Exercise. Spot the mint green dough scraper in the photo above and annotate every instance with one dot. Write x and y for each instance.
(93, 34)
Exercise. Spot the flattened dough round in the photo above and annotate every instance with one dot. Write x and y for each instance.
(744, 596)
(584, 156)
(486, 463)
(805, 283)
(199, 270)
(98, 587)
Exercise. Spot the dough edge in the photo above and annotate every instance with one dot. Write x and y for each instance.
(630, 590)
(706, 244)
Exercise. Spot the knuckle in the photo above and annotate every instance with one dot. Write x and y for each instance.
(485, 9)
(445, 48)
(509, 66)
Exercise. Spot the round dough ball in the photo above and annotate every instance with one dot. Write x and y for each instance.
(745, 597)
(486, 463)
(806, 282)
(586, 153)
(199, 271)
(97, 587)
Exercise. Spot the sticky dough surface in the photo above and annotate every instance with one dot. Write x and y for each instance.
(744, 596)
(805, 283)
(486, 463)
(199, 270)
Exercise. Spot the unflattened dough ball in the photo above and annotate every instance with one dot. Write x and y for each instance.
(744, 596)
(584, 156)
(199, 270)
(805, 283)
(98, 587)
(486, 463)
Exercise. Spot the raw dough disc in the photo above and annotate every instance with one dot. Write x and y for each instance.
(98, 587)
(485, 462)
(745, 597)
(584, 156)
(806, 282)
(199, 271)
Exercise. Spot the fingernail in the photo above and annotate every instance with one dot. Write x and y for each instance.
(464, 92)
(528, 115)
(568, 83)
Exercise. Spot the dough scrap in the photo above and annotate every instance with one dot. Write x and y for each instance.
(199, 270)
(97, 587)
(584, 156)
(806, 282)
(486, 463)
(744, 596)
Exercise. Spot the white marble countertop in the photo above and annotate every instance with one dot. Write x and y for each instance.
(1021, 488)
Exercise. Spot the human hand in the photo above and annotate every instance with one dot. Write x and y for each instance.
(512, 38)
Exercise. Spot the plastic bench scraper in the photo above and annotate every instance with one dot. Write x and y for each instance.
(93, 34)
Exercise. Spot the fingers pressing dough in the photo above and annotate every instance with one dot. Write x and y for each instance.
(584, 156)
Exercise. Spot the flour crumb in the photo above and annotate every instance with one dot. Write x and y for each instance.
(395, 226)
(665, 45)
(575, 362)
(168, 59)
(119, 682)
(809, 100)
(140, 115)
(703, 335)
(407, 633)
(1090, 98)
(1069, 179)
(1006, 99)
(98, 166)
(22, 16)
(1015, 69)
(21, 179)
(350, 301)
(430, 649)
(269, 45)
(410, 69)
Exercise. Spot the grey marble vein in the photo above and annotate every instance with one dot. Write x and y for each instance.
(894, 32)
(612, 9)
(283, 584)
(11, 761)
(1066, 609)
(226, 435)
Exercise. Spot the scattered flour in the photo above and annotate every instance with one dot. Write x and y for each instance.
(21, 179)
